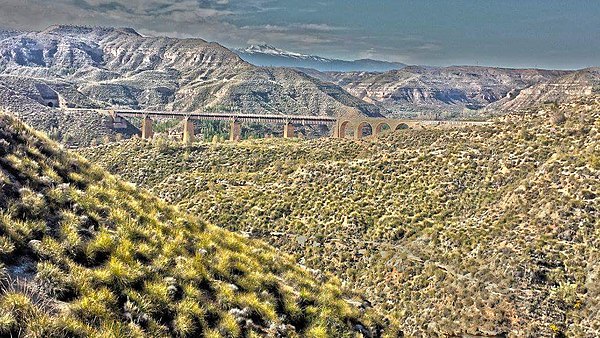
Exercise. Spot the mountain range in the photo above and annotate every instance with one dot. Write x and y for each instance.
(269, 56)
(435, 92)
(118, 67)
(457, 91)
(108, 67)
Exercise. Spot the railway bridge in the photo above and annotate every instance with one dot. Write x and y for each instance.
(340, 125)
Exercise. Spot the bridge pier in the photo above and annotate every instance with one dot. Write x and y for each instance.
(336, 130)
(115, 121)
(288, 130)
(236, 131)
(188, 131)
(147, 132)
(358, 133)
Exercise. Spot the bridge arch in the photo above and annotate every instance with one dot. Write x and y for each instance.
(401, 126)
(359, 132)
(343, 129)
(382, 127)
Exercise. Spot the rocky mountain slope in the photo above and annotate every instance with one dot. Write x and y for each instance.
(269, 56)
(482, 231)
(83, 254)
(21, 97)
(119, 67)
(573, 86)
(458, 91)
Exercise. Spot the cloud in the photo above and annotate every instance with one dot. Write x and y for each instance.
(234, 23)
(37, 14)
(180, 11)
(295, 28)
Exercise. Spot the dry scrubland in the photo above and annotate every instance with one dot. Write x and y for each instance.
(84, 254)
(484, 231)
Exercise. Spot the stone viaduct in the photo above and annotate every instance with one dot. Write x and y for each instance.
(358, 125)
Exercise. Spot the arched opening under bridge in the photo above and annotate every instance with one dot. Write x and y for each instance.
(363, 129)
(402, 126)
(382, 128)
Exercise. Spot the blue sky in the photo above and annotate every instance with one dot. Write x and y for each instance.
(527, 33)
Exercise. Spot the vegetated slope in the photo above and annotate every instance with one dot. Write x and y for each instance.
(458, 91)
(567, 88)
(84, 254)
(119, 67)
(480, 231)
(22, 98)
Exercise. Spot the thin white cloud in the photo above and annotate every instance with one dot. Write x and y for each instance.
(212, 20)
(296, 27)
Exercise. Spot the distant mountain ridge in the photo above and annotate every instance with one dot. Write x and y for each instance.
(456, 91)
(269, 56)
(119, 67)
(570, 87)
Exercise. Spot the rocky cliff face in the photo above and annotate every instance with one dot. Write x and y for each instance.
(415, 91)
(570, 87)
(119, 67)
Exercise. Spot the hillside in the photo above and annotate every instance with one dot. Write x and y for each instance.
(454, 92)
(567, 88)
(22, 98)
(483, 231)
(83, 254)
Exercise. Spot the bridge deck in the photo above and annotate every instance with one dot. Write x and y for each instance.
(261, 118)
(299, 119)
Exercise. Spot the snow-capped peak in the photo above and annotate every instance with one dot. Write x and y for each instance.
(269, 56)
(271, 50)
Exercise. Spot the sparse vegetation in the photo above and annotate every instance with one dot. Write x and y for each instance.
(479, 231)
(84, 254)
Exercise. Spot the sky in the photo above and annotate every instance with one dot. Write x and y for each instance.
(553, 34)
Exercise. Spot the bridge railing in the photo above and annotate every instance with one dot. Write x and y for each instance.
(297, 119)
